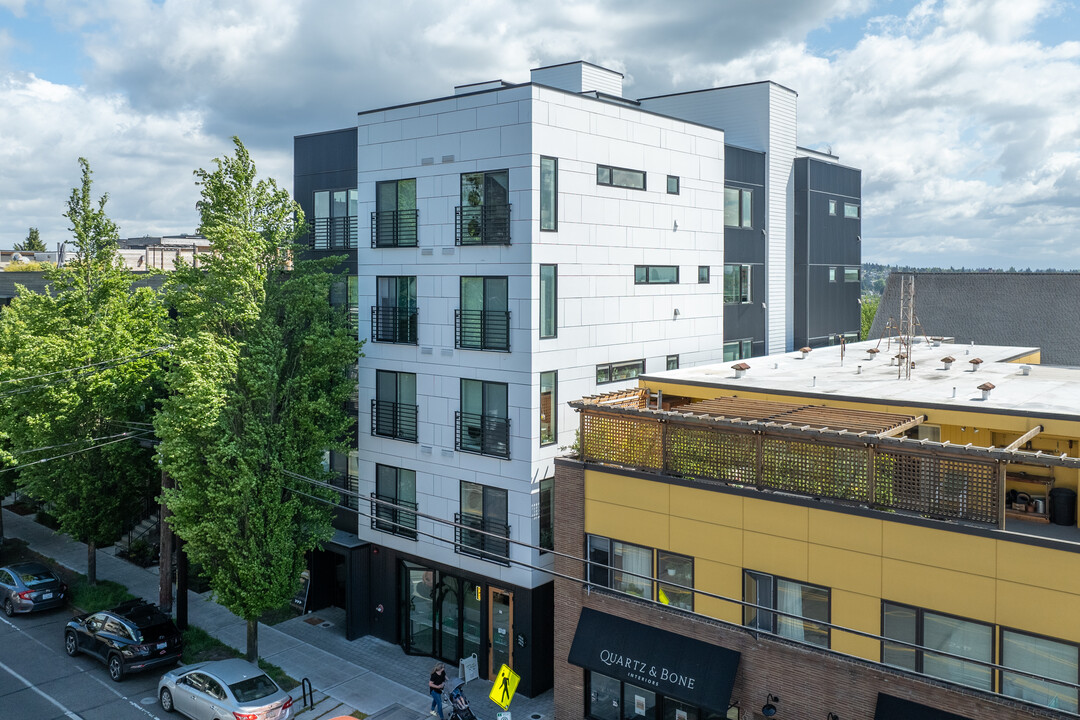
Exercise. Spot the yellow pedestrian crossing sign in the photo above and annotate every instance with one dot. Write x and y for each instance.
(505, 685)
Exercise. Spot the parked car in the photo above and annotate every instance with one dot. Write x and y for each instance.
(29, 587)
(224, 689)
(133, 636)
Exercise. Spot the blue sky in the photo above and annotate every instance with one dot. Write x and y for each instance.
(961, 113)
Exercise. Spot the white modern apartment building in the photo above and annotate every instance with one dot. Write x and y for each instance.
(530, 244)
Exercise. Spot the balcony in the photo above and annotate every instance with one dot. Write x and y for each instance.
(394, 516)
(482, 434)
(483, 538)
(332, 233)
(393, 420)
(393, 325)
(482, 225)
(394, 228)
(482, 330)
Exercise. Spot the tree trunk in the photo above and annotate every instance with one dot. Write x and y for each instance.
(253, 641)
(165, 556)
(91, 562)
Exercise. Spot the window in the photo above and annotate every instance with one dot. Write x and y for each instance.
(1051, 659)
(737, 284)
(703, 274)
(614, 372)
(656, 274)
(483, 322)
(548, 407)
(549, 295)
(547, 514)
(333, 226)
(738, 207)
(620, 177)
(483, 218)
(549, 193)
(832, 207)
(678, 569)
(832, 274)
(737, 349)
(393, 411)
(393, 224)
(672, 362)
(483, 508)
(394, 319)
(851, 274)
(673, 184)
(851, 211)
(395, 489)
(610, 699)
(934, 631)
(482, 423)
(806, 603)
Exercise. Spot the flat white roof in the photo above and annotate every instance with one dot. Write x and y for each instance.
(1047, 390)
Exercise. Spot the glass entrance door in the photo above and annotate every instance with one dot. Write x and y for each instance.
(440, 614)
(418, 609)
(500, 640)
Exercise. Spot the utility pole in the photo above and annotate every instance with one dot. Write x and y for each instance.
(165, 553)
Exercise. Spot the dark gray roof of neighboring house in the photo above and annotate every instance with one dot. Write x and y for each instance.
(35, 282)
(1009, 308)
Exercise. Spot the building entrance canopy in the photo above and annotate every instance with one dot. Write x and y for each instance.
(892, 708)
(672, 665)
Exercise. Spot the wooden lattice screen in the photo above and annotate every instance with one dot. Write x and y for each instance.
(623, 440)
(941, 487)
(814, 468)
(703, 452)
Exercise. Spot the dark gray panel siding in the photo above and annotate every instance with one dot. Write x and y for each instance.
(326, 161)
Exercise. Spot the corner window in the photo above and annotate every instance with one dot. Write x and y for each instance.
(738, 207)
(703, 274)
(548, 407)
(656, 274)
(673, 184)
(672, 362)
(549, 193)
(934, 631)
(802, 604)
(614, 372)
(737, 284)
(737, 349)
(851, 211)
(620, 177)
(832, 207)
(549, 295)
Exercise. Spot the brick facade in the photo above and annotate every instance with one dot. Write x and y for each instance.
(810, 683)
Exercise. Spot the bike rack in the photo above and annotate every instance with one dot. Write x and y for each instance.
(306, 692)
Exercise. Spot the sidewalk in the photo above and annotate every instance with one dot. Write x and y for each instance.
(312, 646)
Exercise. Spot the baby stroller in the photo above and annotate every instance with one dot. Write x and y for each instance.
(459, 704)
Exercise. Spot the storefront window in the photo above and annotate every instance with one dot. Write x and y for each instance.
(440, 614)
(638, 703)
(611, 699)
(603, 697)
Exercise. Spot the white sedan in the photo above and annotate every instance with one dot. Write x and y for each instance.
(223, 690)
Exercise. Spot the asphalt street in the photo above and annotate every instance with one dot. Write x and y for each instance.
(38, 681)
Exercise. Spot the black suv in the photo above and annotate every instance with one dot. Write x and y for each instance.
(133, 636)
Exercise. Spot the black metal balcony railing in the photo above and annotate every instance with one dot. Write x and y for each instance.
(482, 329)
(482, 224)
(394, 228)
(333, 233)
(483, 434)
(472, 540)
(392, 419)
(391, 515)
(393, 324)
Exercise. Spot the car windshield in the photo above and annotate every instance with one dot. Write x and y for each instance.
(36, 577)
(253, 689)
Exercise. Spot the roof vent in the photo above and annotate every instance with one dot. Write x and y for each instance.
(1025, 369)
(805, 351)
(740, 369)
(871, 353)
(986, 387)
(947, 361)
(936, 341)
(975, 363)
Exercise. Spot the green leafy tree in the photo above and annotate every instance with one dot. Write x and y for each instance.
(79, 364)
(33, 242)
(868, 309)
(258, 392)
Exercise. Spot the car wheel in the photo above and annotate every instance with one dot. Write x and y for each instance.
(71, 644)
(9, 607)
(166, 700)
(116, 668)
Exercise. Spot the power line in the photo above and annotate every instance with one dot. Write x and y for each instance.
(127, 436)
(54, 447)
(119, 360)
(77, 373)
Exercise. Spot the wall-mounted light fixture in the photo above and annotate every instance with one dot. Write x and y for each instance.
(675, 315)
(768, 709)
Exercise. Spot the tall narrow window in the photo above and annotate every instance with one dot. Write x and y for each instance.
(482, 423)
(483, 322)
(393, 411)
(737, 284)
(483, 508)
(549, 295)
(549, 193)
(393, 224)
(547, 511)
(548, 428)
(394, 319)
(394, 503)
(678, 569)
(483, 218)
(738, 207)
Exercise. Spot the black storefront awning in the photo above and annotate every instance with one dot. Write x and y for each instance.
(893, 708)
(672, 665)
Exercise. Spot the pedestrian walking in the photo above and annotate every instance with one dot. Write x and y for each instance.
(435, 686)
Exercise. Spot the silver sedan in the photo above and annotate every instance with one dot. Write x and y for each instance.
(224, 690)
